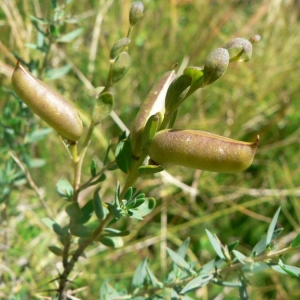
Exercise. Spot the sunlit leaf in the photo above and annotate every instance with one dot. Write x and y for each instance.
(64, 188)
(139, 275)
(271, 228)
(70, 36)
(180, 262)
(260, 247)
(197, 283)
(216, 244)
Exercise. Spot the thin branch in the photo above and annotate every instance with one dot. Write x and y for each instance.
(31, 182)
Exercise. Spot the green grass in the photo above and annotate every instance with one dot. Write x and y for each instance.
(255, 98)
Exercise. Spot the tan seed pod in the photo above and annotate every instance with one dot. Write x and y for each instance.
(153, 104)
(201, 150)
(48, 104)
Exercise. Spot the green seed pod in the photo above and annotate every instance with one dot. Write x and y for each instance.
(154, 103)
(201, 150)
(48, 104)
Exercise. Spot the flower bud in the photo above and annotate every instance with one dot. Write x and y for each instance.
(239, 49)
(215, 65)
(201, 150)
(154, 103)
(136, 12)
(48, 104)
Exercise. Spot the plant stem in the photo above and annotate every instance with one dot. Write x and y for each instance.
(71, 263)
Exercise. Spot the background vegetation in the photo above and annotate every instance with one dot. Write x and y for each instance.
(258, 97)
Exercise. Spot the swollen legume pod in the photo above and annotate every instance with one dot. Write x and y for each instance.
(153, 104)
(48, 104)
(201, 150)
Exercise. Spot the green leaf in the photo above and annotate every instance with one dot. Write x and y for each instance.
(93, 168)
(101, 178)
(103, 107)
(182, 250)
(118, 46)
(48, 222)
(154, 281)
(173, 119)
(81, 231)
(255, 267)
(121, 66)
(73, 210)
(86, 212)
(60, 231)
(36, 163)
(197, 283)
(128, 194)
(296, 242)
(240, 256)
(260, 247)
(177, 91)
(215, 244)
(58, 72)
(38, 20)
(70, 36)
(180, 262)
(112, 242)
(135, 203)
(196, 74)
(56, 250)
(37, 135)
(98, 207)
(150, 129)
(271, 228)
(291, 270)
(114, 210)
(232, 245)
(123, 156)
(107, 292)
(139, 275)
(144, 209)
(64, 188)
(150, 169)
(115, 232)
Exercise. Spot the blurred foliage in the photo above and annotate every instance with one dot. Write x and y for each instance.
(259, 97)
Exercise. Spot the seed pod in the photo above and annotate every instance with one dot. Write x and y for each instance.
(201, 150)
(154, 103)
(48, 104)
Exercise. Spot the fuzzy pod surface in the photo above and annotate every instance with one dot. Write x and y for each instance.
(201, 150)
(48, 104)
(153, 104)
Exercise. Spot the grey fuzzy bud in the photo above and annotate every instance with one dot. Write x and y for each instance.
(136, 12)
